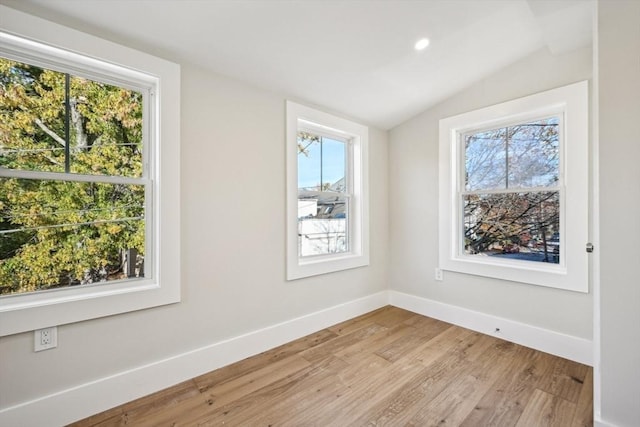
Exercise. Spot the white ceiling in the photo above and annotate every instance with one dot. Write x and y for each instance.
(355, 57)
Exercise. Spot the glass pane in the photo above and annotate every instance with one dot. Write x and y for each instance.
(321, 163)
(105, 123)
(485, 160)
(534, 154)
(309, 162)
(56, 234)
(105, 128)
(333, 165)
(523, 226)
(322, 224)
(32, 111)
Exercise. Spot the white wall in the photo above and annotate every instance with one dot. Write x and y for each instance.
(233, 231)
(619, 145)
(233, 253)
(414, 206)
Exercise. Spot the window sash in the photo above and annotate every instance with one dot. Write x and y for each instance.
(65, 61)
(349, 224)
(462, 192)
(51, 58)
(460, 152)
(325, 132)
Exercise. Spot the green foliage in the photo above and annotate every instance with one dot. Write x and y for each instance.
(58, 233)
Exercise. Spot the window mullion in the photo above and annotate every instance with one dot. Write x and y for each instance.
(506, 158)
(67, 124)
(321, 165)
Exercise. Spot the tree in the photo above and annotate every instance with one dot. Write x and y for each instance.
(305, 140)
(57, 232)
(511, 196)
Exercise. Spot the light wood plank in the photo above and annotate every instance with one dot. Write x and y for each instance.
(565, 379)
(406, 343)
(546, 410)
(504, 403)
(302, 408)
(220, 395)
(584, 408)
(454, 367)
(246, 366)
(353, 353)
(301, 391)
(352, 325)
(326, 349)
(363, 394)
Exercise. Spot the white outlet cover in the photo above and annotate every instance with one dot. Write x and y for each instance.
(44, 339)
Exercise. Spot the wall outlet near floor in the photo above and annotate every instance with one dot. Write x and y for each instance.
(438, 274)
(45, 339)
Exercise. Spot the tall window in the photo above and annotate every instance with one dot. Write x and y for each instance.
(327, 207)
(72, 180)
(514, 190)
(89, 176)
(323, 195)
(511, 194)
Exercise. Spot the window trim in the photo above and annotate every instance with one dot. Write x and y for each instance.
(571, 104)
(357, 171)
(27, 38)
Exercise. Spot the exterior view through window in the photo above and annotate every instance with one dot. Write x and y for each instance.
(323, 197)
(72, 184)
(511, 196)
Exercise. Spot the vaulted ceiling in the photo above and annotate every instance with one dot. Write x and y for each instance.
(355, 57)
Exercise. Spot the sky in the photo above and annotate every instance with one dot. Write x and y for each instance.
(331, 163)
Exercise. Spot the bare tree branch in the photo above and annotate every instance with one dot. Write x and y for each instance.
(51, 133)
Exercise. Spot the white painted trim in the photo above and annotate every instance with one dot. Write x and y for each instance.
(567, 346)
(595, 220)
(600, 423)
(104, 393)
(358, 172)
(571, 104)
(29, 36)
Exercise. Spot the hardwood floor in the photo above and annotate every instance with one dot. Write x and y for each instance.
(389, 367)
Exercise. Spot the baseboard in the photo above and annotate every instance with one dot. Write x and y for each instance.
(97, 396)
(599, 423)
(567, 346)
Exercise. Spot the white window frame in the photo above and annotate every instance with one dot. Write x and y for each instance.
(300, 117)
(35, 41)
(570, 103)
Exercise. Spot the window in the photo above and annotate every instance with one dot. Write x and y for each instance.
(511, 194)
(72, 180)
(511, 177)
(327, 208)
(82, 212)
(323, 194)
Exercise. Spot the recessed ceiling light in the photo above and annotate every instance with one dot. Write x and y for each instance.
(421, 44)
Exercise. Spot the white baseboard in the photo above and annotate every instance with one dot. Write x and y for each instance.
(96, 396)
(599, 423)
(567, 346)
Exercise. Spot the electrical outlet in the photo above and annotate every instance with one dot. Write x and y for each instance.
(44, 339)
(438, 274)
